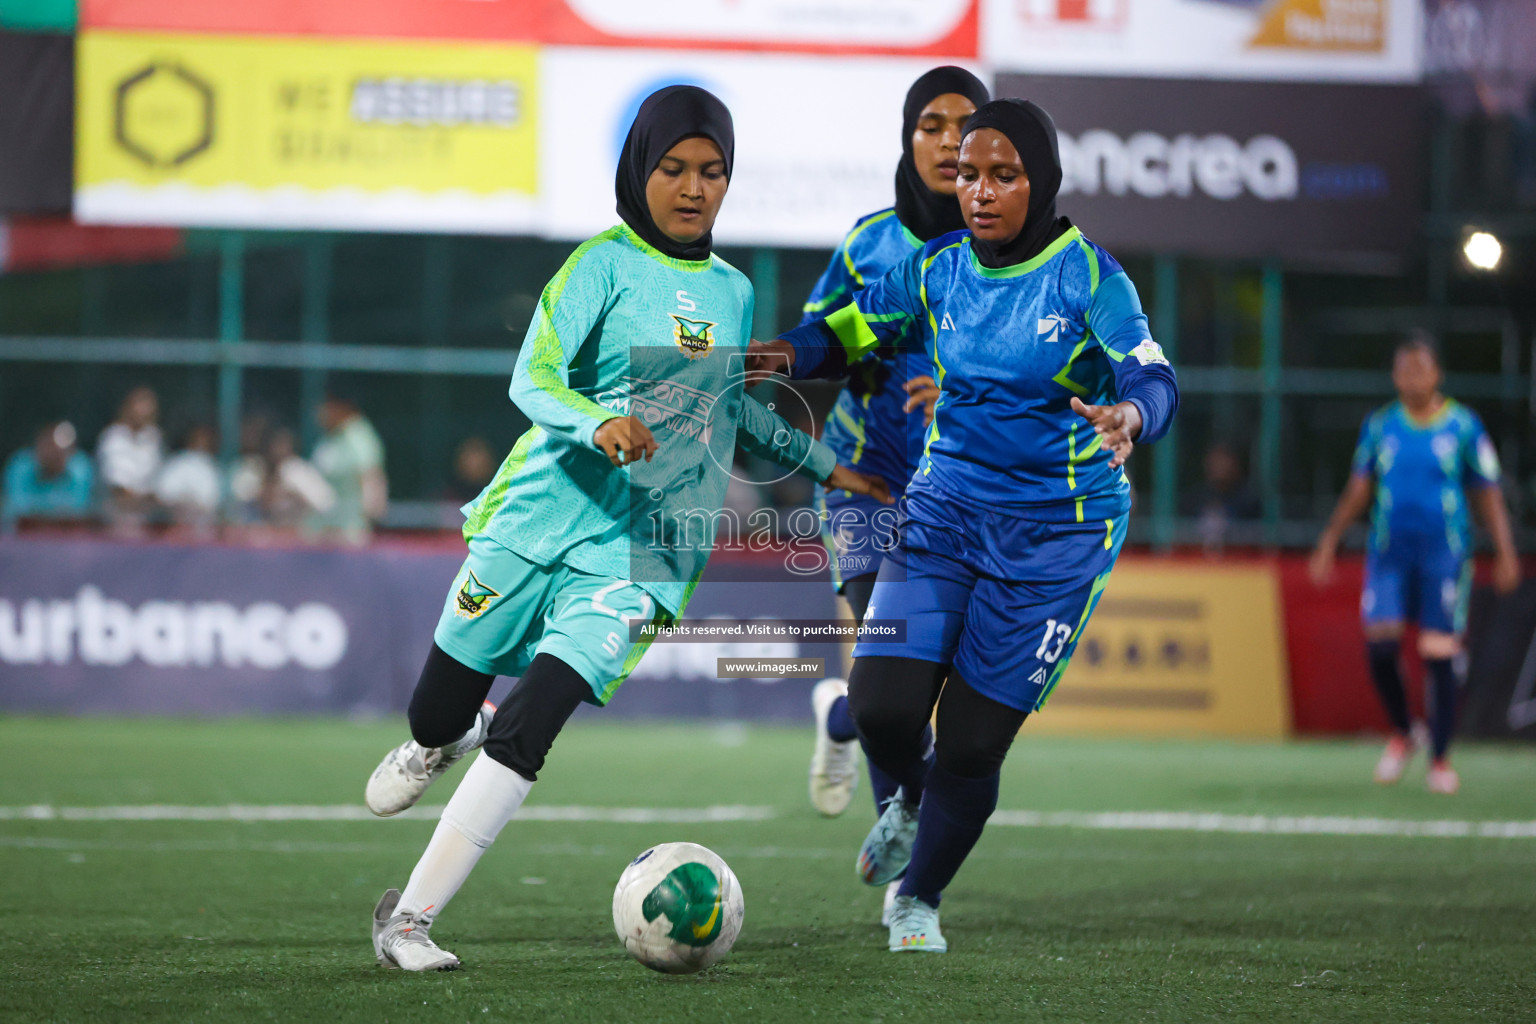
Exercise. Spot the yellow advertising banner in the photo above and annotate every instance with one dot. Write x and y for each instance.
(303, 132)
(1177, 649)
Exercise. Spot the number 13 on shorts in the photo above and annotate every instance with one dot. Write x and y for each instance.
(1054, 641)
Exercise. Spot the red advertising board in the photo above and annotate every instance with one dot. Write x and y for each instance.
(900, 27)
(42, 243)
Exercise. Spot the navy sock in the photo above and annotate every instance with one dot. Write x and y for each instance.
(884, 786)
(953, 813)
(1389, 682)
(840, 723)
(1444, 693)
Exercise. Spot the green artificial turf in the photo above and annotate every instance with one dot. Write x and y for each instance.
(228, 921)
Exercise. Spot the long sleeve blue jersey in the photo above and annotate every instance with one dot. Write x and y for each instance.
(1012, 347)
(868, 427)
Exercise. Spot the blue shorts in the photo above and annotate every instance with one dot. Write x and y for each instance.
(504, 609)
(858, 532)
(1002, 599)
(1417, 580)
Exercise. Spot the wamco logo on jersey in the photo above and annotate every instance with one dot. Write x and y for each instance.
(1152, 165)
(173, 634)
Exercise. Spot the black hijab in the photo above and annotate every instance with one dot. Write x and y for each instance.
(926, 213)
(667, 117)
(1033, 134)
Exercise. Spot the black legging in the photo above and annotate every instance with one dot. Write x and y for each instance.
(449, 694)
(892, 700)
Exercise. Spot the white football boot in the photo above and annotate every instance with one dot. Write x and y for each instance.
(407, 771)
(834, 765)
(401, 940)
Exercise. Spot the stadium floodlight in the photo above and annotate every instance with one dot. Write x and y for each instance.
(1483, 251)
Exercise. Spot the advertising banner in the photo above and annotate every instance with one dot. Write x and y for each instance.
(946, 27)
(791, 185)
(185, 129)
(1500, 698)
(98, 627)
(1237, 169)
(1316, 40)
(36, 122)
(1177, 649)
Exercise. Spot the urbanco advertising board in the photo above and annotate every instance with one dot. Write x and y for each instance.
(1237, 169)
(99, 627)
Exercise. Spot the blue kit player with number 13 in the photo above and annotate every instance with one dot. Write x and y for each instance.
(1047, 376)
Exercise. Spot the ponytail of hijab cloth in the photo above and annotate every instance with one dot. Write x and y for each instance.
(924, 212)
(667, 117)
(1033, 134)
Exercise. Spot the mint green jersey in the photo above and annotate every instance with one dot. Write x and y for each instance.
(623, 329)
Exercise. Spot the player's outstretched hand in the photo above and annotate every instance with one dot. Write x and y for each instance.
(921, 391)
(845, 479)
(766, 358)
(1117, 425)
(625, 439)
(1320, 565)
(1506, 573)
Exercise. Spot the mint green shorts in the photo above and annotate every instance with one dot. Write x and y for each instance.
(504, 609)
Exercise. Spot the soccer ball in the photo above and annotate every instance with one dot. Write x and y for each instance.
(677, 908)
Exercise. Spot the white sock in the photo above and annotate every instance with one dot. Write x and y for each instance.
(485, 801)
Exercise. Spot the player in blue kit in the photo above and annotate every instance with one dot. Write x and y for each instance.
(1420, 460)
(1048, 375)
(876, 424)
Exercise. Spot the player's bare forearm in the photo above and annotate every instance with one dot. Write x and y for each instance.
(1352, 505)
(1489, 502)
(1495, 517)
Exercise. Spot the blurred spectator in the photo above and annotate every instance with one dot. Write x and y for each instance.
(190, 483)
(351, 459)
(474, 464)
(1481, 55)
(1224, 497)
(52, 479)
(249, 471)
(291, 489)
(128, 462)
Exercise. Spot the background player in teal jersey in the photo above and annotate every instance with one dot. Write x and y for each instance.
(1420, 460)
(1012, 523)
(630, 372)
(876, 424)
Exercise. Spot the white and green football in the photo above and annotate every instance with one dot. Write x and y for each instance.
(677, 908)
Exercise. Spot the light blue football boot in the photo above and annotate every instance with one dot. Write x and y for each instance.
(888, 848)
(915, 927)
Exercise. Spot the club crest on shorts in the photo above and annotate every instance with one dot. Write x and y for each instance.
(473, 597)
(695, 337)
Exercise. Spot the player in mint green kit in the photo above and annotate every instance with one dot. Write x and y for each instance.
(631, 374)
